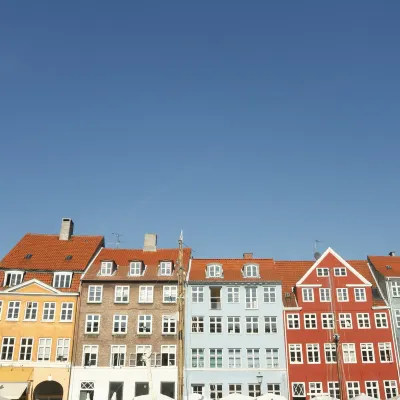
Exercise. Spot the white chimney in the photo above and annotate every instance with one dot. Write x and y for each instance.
(67, 229)
(150, 242)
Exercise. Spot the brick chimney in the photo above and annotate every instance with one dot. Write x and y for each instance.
(67, 229)
(247, 256)
(150, 242)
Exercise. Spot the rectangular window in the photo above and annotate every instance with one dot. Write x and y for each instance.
(372, 389)
(168, 325)
(7, 348)
(95, 294)
(235, 388)
(13, 278)
(143, 355)
(313, 353)
(381, 320)
(363, 321)
(293, 321)
(92, 324)
(233, 324)
(353, 389)
(251, 271)
(118, 356)
(298, 390)
(251, 324)
(165, 268)
(120, 324)
(253, 358)
(349, 353)
(359, 294)
(254, 390)
(296, 354)
(146, 294)
(345, 321)
(31, 311)
(327, 320)
(197, 358)
(330, 353)
(315, 389)
(197, 294)
(269, 294)
(106, 268)
(215, 358)
(170, 294)
(251, 298)
(135, 268)
(215, 391)
(62, 280)
(322, 272)
(13, 310)
(270, 325)
(66, 312)
(340, 272)
(324, 295)
(197, 324)
(397, 316)
(62, 353)
(121, 294)
(234, 358)
(274, 388)
(367, 352)
(168, 356)
(215, 298)
(25, 350)
(272, 358)
(310, 321)
(385, 352)
(90, 354)
(115, 390)
(49, 312)
(215, 324)
(214, 271)
(197, 389)
(233, 295)
(44, 349)
(333, 389)
(145, 324)
(308, 294)
(395, 289)
(390, 389)
(342, 294)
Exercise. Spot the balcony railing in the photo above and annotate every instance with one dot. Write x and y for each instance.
(215, 303)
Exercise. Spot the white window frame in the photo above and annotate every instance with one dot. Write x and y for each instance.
(215, 391)
(274, 388)
(34, 306)
(121, 294)
(272, 321)
(134, 267)
(371, 387)
(197, 323)
(296, 349)
(291, 319)
(253, 358)
(106, 268)
(233, 295)
(312, 350)
(353, 387)
(360, 295)
(120, 319)
(90, 321)
(197, 294)
(325, 295)
(251, 299)
(385, 348)
(216, 324)
(340, 271)
(170, 351)
(26, 346)
(315, 389)
(342, 295)
(269, 294)
(169, 325)
(92, 350)
(170, 294)
(389, 386)
(165, 268)
(327, 319)
(44, 344)
(310, 319)
(322, 272)
(64, 280)
(234, 358)
(14, 306)
(343, 319)
(96, 289)
(67, 309)
(330, 353)
(251, 271)
(362, 321)
(51, 308)
(303, 390)
(16, 278)
(395, 288)
(11, 342)
(349, 353)
(379, 318)
(120, 351)
(333, 389)
(148, 296)
(252, 323)
(272, 353)
(235, 388)
(397, 317)
(214, 271)
(254, 390)
(198, 355)
(308, 295)
(233, 322)
(144, 321)
(367, 349)
(63, 346)
(216, 354)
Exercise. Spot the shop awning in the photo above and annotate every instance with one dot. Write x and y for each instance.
(12, 390)
(13, 381)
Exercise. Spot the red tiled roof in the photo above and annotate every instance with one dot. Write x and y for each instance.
(49, 253)
(123, 257)
(380, 263)
(232, 269)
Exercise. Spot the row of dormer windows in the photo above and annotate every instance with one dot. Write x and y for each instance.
(60, 279)
(248, 271)
(136, 268)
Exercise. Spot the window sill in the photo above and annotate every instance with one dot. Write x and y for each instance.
(144, 333)
(119, 334)
(93, 333)
(94, 302)
(169, 334)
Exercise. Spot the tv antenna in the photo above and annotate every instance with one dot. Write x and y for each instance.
(117, 235)
(317, 254)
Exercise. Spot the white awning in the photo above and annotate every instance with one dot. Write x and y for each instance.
(12, 390)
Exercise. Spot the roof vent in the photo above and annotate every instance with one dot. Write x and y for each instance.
(68, 257)
(287, 295)
(67, 229)
(150, 242)
(392, 253)
(388, 266)
(247, 256)
(28, 256)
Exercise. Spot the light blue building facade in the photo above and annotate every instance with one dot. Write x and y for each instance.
(234, 335)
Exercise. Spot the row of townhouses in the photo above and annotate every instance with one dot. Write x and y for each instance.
(80, 321)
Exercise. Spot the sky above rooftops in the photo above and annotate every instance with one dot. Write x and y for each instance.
(253, 126)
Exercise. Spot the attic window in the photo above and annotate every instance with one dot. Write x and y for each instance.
(68, 257)
(251, 271)
(13, 278)
(165, 268)
(62, 279)
(388, 267)
(106, 268)
(136, 268)
(28, 256)
(214, 271)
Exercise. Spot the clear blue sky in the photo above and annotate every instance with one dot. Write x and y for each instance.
(252, 125)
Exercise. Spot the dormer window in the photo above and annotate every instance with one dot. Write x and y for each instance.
(165, 268)
(62, 280)
(136, 268)
(251, 271)
(214, 271)
(13, 278)
(106, 268)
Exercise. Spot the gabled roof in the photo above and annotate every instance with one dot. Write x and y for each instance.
(123, 257)
(48, 253)
(232, 269)
(380, 263)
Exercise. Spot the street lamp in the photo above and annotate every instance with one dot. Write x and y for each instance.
(259, 380)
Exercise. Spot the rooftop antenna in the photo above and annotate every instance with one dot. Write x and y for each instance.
(117, 235)
(317, 254)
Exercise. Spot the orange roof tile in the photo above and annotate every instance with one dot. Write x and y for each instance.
(380, 263)
(232, 269)
(123, 257)
(49, 253)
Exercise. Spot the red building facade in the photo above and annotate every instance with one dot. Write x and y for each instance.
(337, 329)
